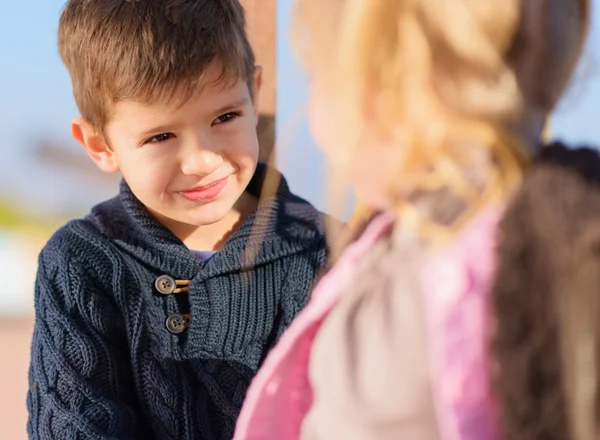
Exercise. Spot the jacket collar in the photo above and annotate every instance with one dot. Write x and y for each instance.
(283, 224)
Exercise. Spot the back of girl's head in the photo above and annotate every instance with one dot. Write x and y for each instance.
(430, 76)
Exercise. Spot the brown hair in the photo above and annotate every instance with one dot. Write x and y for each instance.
(545, 301)
(147, 50)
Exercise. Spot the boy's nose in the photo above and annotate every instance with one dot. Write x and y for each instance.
(201, 162)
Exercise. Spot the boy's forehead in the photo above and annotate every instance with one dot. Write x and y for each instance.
(216, 80)
(207, 99)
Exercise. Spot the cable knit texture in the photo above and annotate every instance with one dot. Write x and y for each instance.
(104, 365)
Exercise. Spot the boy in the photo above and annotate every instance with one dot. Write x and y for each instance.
(154, 312)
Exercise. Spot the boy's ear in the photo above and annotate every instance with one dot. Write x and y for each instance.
(256, 85)
(94, 144)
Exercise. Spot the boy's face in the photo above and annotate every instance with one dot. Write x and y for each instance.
(187, 164)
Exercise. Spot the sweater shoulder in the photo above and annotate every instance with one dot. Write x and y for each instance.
(303, 219)
(80, 249)
(74, 240)
(83, 239)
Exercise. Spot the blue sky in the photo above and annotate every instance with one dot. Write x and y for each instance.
(37, 105)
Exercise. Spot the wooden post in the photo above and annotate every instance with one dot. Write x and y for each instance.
(261, 21)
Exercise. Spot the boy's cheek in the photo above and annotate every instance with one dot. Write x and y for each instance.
(242, 146)
(148, 174)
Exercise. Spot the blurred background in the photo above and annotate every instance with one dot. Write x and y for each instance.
(46, 178)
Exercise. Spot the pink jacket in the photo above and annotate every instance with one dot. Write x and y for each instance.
(455, 285)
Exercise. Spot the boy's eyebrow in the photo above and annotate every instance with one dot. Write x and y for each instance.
(232, 106)
(154, 130)
(226, 108)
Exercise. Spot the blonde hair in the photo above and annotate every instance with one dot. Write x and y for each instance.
(488, 63)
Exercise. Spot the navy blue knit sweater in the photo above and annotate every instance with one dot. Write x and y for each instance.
(114, 358)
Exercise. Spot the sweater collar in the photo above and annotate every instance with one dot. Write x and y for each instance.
(283, 224)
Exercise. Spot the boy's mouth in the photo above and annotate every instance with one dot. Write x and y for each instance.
(205, 193)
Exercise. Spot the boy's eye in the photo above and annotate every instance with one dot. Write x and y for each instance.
(227, 117)
(159, 138)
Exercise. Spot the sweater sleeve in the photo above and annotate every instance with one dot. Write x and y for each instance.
(79, 378)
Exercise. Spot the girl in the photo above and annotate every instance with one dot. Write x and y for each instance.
(429, 326)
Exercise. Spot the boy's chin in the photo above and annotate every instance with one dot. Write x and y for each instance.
(201, 216)
(209, 215)
(219, 216)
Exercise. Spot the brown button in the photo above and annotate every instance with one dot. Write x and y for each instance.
(165, 284)
(177, 323)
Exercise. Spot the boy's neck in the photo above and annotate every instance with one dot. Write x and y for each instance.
(213, 237)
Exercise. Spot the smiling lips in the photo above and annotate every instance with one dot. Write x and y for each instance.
(205, 193)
